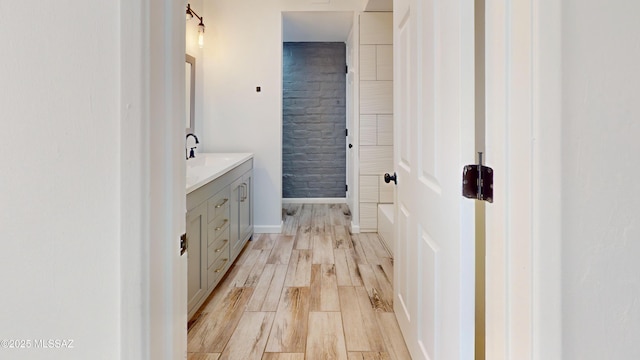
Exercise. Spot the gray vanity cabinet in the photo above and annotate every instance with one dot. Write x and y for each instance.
(218, 255)
(196, 255)
(244, 210)
(241, 212)
(219, 223)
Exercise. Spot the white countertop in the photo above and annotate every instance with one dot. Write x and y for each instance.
(206, 167)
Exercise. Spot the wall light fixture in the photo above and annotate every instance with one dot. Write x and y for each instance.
(190, 15)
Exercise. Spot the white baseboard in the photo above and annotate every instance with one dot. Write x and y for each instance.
(355, 229)
(314, 200)
(268, 229)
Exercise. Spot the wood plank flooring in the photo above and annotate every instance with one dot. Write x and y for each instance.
(313, 292)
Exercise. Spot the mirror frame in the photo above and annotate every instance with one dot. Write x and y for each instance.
(192, 98)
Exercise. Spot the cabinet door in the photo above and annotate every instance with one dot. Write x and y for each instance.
(196, 255)
(246, 207)
(234, 220)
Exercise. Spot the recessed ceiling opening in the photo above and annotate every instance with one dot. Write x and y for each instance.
(316, 26)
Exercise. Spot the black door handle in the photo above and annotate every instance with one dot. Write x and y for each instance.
(350, 146)
(388, 178)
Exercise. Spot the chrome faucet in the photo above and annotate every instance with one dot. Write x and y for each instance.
(191, 152)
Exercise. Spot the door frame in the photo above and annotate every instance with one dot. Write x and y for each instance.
(153, 316)
(523, 142)
(353, 124)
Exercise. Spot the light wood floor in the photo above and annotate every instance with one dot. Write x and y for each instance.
(313, 292)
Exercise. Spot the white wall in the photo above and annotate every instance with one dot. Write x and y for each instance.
(192, 48)
(59, 189)
(601, 203)
(244, 50)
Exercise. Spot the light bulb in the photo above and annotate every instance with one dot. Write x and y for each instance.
(201, 35)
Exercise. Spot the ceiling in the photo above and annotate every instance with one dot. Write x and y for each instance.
(324, 26)
(379, 5)
(312, 26)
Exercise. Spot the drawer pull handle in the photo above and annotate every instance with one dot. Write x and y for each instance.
(224, 242)
(221, 226)
(223, 264)
(222, 203)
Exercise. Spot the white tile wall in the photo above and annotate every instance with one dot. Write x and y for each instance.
(368, 66)
(384, 130)
(369, 188)
(368, 130)
(376, 97)
(376, 160)
(386, 190)
(384, 62)
(368, 217)
(376, 115)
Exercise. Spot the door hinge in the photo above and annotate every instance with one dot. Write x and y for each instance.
(477, 181)
(346, 69)
(184, 244)
(346, 187)
(346, 132)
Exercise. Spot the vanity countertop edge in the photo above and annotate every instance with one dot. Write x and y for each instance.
(206, 167)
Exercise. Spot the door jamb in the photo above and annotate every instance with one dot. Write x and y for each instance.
(152, 42)
(353, 197)
(524, 147)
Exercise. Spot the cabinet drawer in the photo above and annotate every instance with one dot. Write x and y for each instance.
(219, 248)
(218, 269)
(217, 228)
(218, 205)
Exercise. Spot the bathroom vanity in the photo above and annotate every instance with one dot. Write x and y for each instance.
(219, 218)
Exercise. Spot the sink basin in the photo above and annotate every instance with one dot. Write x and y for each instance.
(210, 159)
(206, 167)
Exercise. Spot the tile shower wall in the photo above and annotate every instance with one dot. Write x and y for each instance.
(314, 120)
(376, 115)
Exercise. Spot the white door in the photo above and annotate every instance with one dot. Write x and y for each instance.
(434, 138)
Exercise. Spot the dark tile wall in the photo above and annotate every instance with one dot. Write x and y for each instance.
(314, 120)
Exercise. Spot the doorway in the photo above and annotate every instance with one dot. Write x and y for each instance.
(314, 106)
(313, 120)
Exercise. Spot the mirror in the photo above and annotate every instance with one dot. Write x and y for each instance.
(190, 86)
